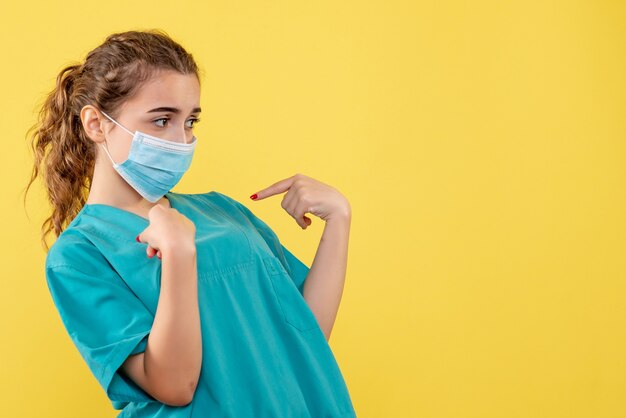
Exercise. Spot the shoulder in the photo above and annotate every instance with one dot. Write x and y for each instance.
(76, 268)
(74, 249)
(213, 197)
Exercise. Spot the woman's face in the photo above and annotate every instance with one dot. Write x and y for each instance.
(167, 106)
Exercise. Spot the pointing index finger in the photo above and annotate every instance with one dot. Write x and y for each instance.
(276, 188)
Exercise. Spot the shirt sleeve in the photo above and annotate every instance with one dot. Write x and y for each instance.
(103, 317)
(297, 270)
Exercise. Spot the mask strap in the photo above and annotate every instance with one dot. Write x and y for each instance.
(105, 148)
(113, 120)
(107, 151)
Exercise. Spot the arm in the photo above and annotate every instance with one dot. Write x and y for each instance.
(324, 284)
(170, 366)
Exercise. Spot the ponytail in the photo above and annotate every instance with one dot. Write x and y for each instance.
(68, 166)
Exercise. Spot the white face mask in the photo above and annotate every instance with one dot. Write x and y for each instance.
(154, 165)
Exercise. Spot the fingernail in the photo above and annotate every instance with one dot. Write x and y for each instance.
(137, 238)
(159, 255)
(254, 196)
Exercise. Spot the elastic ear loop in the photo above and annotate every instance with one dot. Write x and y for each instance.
(114, 121)
(107, 151)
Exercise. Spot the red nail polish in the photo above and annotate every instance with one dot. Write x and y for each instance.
(253, 197)
(137, 238)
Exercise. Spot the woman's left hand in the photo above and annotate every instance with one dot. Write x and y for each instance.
(307, 195)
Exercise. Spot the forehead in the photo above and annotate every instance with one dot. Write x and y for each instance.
(168, 88)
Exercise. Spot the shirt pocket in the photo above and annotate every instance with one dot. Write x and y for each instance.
(296, 311)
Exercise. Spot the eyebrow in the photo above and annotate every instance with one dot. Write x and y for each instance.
(172, 110)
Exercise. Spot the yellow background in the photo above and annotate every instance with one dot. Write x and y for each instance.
(481, 145)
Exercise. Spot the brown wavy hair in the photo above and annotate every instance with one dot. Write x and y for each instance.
(110, 74)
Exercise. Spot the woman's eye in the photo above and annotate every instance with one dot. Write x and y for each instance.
(194, 121)
(164, 119)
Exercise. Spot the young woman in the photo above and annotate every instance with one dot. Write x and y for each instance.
(182, 305)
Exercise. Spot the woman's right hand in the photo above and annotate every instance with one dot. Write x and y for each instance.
(168, 229)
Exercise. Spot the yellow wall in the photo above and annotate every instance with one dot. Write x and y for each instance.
(481, 145)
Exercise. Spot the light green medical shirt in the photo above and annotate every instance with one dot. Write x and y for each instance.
(263, 352)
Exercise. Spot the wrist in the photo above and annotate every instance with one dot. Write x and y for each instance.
(341, 216)
(340, 220)
(179, 248)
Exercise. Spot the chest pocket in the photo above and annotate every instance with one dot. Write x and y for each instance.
(296, 311)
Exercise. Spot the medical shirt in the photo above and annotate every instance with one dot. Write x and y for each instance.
(263, 352)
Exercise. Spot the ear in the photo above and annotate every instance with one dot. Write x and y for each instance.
(92, 121)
